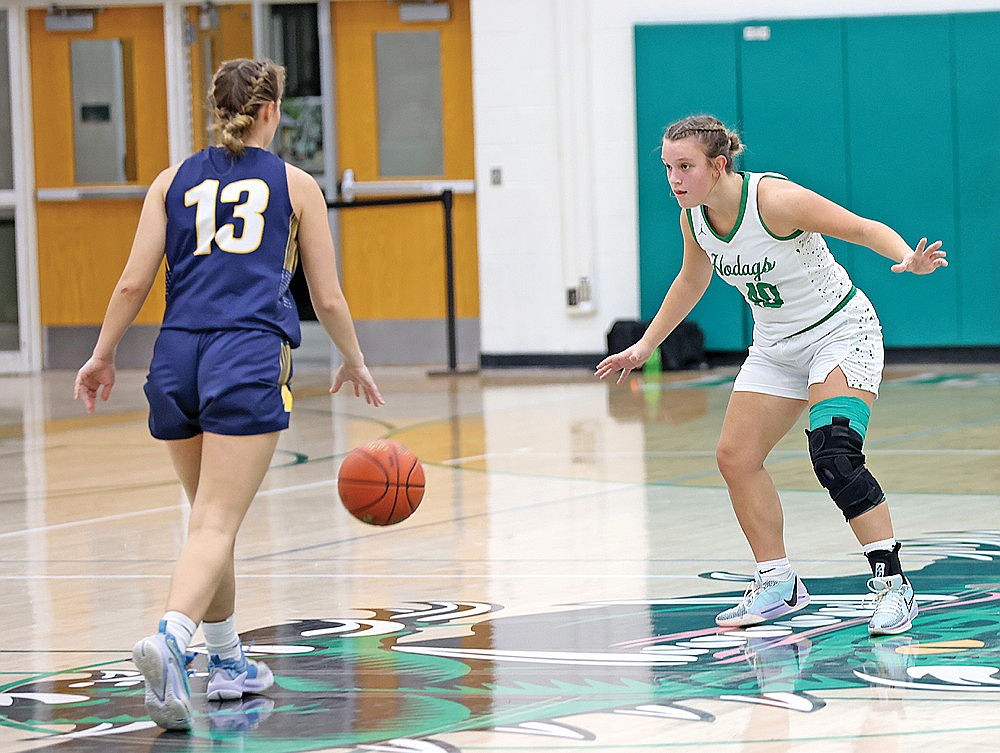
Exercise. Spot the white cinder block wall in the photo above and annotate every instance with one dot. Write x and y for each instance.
(554, 98)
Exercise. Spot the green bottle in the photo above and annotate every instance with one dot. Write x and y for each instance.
(654, 365)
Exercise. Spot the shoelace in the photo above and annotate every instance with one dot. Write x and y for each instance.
(751, 591)
(189, 658)
(875, 598)
(192, 655)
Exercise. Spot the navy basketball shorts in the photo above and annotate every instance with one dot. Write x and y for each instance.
(231, 382)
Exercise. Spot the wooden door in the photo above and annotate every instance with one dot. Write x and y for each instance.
(85, 228)
(393, 257)
(218, 33)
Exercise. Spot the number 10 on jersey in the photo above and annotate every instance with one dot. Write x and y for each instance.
(764, 294)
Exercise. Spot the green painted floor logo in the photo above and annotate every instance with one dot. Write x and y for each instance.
(401, 678)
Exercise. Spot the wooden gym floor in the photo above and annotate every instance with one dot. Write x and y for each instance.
(554, 592)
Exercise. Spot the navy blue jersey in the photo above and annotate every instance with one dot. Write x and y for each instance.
(231, 245)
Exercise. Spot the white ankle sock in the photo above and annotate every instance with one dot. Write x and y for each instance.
(181, 628)
(774, 569)
(883, 545)
(221, 638)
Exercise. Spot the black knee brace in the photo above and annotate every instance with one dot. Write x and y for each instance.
(840, 467)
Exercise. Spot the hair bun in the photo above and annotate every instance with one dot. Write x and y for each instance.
(239, 89)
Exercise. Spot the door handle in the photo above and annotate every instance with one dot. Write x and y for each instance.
(351, 188)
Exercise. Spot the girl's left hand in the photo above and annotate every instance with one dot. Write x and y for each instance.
(923, 259)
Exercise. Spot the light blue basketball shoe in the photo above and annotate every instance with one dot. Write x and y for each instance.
(766, 600)
(895, 605)
(168, 697)
(229, 679)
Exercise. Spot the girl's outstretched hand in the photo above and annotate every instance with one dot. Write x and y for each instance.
(625, 362)
(923, 259)
(362, 380)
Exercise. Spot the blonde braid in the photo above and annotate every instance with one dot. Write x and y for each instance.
(257, 84)
(239, 89)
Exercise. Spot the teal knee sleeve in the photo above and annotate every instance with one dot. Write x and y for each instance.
(854, 409)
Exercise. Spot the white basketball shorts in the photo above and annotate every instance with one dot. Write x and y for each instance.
(850, 339)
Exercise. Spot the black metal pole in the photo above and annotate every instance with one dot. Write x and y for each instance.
(447, 200)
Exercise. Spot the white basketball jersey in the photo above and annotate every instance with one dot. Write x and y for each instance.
(791, 283)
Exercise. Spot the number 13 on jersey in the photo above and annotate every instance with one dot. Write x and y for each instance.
(206, 196)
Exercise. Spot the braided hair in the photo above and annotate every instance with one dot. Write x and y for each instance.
(716, 140)
(239, 88)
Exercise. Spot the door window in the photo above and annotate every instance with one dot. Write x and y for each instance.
(6, 145)
(294, 43)
(9, 333)
(102, 126)
(9, 336)
(410, 118)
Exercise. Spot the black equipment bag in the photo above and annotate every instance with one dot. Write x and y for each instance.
(683, 349)
(624, 333)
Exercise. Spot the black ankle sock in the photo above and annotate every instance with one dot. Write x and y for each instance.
(885, 562)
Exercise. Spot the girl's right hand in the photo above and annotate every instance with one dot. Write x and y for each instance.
(626, 361)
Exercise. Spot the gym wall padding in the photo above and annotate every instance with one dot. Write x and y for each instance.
(845, 107)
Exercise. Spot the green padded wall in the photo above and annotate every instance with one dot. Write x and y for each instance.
(901, 141)
(669, 87)
(798, 130)
(797, 127)
(975, 251)
(845, 107)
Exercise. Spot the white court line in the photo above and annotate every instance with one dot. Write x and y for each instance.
(87, 522)
(352, 576)
(152, 511)
(522, 452)
(300, 487)
(878, 451)
(527, 452)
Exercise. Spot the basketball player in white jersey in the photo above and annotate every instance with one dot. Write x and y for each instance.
(817, 342)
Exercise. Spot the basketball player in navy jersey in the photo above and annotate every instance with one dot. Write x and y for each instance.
(817, 342)
(233, 221)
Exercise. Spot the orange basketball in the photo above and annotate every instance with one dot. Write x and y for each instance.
(381, 483)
